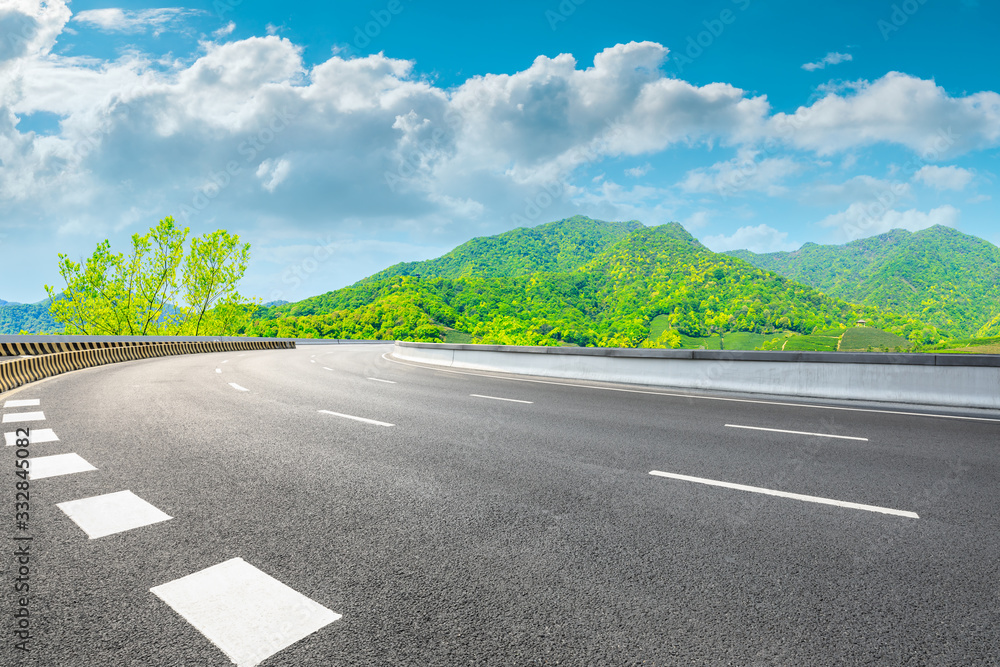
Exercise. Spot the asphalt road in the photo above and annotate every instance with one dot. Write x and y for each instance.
(477, 531)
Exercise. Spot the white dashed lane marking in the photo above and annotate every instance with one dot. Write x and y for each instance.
(785, 494)
(360, 419)
(328, 369)
(248, 614)
(23, 417)
(111, 513)
(218, 370)
(58, 464)
(381, 380)
(35, 436)
(778, 430)
(237, 387)
(497, 398)
(22, 403)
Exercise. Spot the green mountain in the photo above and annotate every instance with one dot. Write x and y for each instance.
(560, 246)
(541, 287)
(939, 275)
(29, 317)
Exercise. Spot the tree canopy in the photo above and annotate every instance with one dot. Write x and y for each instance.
(158, 288)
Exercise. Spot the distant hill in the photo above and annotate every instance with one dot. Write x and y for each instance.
(940, 275)
(29, 317)
(576, 281)
(560, 246)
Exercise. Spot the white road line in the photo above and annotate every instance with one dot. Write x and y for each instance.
(227, 361)
(497, 398)
(360, 419)
(692, 396)
(111, 513)
(312, 361)
(237, 387)
(218, 370)
(785, 494)
(58, 464)
(21, 403)
(23, 417)
(328, 369)
(36, 435)
(818, 435)
(381, 380)
(247, 613)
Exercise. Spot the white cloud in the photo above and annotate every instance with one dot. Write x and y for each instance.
(944, 178)
(761, 238)
(272, 172)
(862, 187)
(831, 58)
(899, 109)
(747, 172)
(978, 199)
(127, 20)
(224, 31)
(861, 220)
(698, 219)
(639, 172)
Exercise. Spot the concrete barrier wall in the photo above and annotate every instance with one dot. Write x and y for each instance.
(971, 381)
(22, 371)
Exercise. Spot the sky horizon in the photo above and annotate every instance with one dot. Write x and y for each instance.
(339, 139)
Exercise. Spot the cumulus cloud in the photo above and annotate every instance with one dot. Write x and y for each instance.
(224, 30)
(861, 220)
(831, 58)
(899, 109)
(747, 172)
(133, 21)
(762, 238)
(944, 178)
(639, 172)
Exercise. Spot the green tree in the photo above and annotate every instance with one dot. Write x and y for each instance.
(140, 294)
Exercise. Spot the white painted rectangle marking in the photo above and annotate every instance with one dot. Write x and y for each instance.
(818, 435)
(111, 513)
(785, 494)
(227, 360)
(497, 398)
(35, 436)
(247, 613)
(58, 464)
(237, 387)
(360, 419)
(381, 380)
(21, 403)
(23, 417)
(325, 368)
(218, 370)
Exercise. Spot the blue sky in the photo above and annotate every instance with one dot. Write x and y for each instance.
(339, 138)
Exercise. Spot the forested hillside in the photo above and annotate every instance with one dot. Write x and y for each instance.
(29, 317)
(560, 246)
(609, 300)
(939, 275)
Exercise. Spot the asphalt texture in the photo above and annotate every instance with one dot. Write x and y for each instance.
(484, 532)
